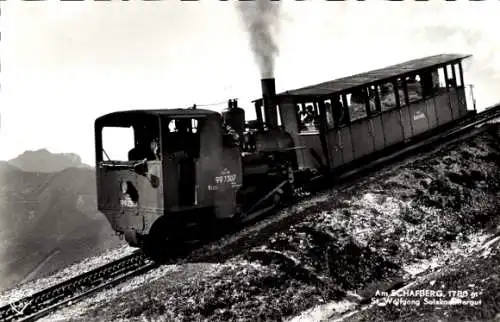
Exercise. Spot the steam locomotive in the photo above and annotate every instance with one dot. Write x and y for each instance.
(191, 168)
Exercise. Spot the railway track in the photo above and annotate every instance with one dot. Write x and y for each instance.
(67, 292)
(46, 301)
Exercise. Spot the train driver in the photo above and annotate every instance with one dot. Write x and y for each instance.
(155, 148)
(146, 147)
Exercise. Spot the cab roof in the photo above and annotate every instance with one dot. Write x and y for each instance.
(130, 115)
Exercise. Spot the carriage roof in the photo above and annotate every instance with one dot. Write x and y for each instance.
(346, 83)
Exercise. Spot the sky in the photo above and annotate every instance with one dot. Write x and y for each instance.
(63, 64)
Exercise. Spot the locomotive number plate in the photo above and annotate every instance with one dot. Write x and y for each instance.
(229, 178)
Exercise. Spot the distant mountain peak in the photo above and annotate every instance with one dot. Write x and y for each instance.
(42, 160)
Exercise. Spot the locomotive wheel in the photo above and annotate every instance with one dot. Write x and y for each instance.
(161, 244)
(161, 250)
(154, 248)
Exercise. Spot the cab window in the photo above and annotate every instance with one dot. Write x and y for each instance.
(182, 135)
(116, 142)
(131, 138)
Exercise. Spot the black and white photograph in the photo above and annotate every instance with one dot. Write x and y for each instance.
(258, 160)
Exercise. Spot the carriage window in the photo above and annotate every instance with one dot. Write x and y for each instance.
(340, 110)
(374, 99)
(356, 103)
(414, 86)
(436, 82)
(457, 75)
(330, 123)
(299, 108)
(451, 81)
(387, 96)
(308, 117)
(432, 82)
(427, 81)
(401, 92)
(116, 142)
(441, 78)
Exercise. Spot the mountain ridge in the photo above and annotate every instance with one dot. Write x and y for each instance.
(44, 212)
(42, 160)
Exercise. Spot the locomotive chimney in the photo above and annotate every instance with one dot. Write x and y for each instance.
(268, 98)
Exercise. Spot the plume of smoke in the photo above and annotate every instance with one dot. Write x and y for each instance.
(261, 18)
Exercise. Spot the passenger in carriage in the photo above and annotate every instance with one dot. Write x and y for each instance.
(339, 112)
(387, 96)
(414, 88)
(358, 104)
(308, 116)
(372, 101)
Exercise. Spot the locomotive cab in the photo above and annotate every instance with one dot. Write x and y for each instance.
(180, 169)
